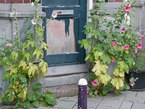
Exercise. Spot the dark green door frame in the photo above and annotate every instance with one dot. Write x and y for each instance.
(79, 8)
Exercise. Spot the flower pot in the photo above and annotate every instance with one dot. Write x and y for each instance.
(139, 83)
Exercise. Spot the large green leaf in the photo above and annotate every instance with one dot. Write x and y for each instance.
(38, 53)
(37, 86)
(36, 104)
(50, 100)
(14, 55)
(23, 65)
(85, 43)
(26, 104)
(117, 82)
(32, 69)
(43, 66)
(32, 96)
(105, 58)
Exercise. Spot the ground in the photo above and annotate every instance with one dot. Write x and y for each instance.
(126, 100)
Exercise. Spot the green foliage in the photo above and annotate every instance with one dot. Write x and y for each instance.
(22, 61)
(112, 40)
(139, 63)
(36, 99)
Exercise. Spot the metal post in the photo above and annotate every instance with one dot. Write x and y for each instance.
(82, 94)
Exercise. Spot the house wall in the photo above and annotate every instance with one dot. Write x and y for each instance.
(15, 1)
(59, 75)
(7, 22)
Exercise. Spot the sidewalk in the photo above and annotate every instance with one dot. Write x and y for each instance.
(127, 100)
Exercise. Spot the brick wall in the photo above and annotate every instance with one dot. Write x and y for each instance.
(15, 1)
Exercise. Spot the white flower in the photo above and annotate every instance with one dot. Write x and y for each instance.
(33, 21)
(32, 3)
(126, 0)
(127, 19)
(14, 33)
(8, 44)
(54, 14)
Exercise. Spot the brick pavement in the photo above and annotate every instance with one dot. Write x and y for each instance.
(126, 100)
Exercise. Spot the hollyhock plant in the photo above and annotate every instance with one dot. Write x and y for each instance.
(132, 81)
(140, 45)
(94, 83)
(126, 47)
(127, 8)
(142, 37)
(132, 84)
(88, 91)
(115, 45)
(8, 44)
(122, 30)
(33, 21)
(112, 60)
(127, 19)
(21, 62)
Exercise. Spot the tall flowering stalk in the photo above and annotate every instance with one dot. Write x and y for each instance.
(22, 61)
(112, 41)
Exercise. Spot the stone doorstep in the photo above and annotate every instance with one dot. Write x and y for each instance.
(64, 90)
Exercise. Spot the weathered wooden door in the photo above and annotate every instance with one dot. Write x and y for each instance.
(64, 28)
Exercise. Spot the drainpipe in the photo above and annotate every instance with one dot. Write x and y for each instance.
(90, 6)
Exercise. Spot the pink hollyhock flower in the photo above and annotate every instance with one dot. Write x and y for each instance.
(123, 30)
(142, 37)
(88, 91)
(127, 8)
(8, 44)
(132, 84)
(113, 43)
(126, 47)
(113, 60)
(33, 21)
(94, 83)
(139, 45)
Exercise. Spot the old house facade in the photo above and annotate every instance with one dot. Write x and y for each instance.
(62, 33)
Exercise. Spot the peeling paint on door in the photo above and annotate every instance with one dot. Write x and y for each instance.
(60, 36)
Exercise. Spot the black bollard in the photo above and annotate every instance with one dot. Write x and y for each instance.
(82, 94)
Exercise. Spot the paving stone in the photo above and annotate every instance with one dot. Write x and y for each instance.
(140, 100)
(45, 108)
(138, 106)
(111, 101)
(141, 94)
(106, 107)
(109, 104)
(77, 107)
(130, 93)
(65, 104)
(114, 97)
(75, 98)
(126, 105)
(94, 102)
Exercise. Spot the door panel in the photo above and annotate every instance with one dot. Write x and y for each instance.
(64, 28)
(60, 39)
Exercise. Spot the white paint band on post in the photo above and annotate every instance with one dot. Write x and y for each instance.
(82, 94)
